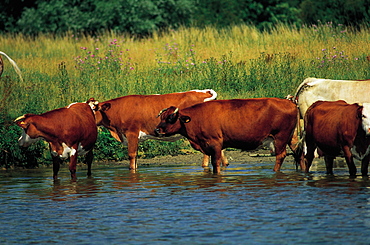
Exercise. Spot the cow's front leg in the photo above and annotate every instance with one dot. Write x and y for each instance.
(205, 162)
(206, 159)
(132, 146)
(216, 161)
(72, 166)
(56, 166)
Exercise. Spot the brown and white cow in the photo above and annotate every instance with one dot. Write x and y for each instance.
(132, 119)
(336, 128)
(70, 131)
(238, 123)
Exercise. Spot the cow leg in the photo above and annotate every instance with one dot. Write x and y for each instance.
(349, 160)
(329, 161)
(72, 166)
(225, 162)
(310, 155)
(216, 161)
(365, 165)
(206, 159)
(88, 161)
(280, 143)
(132, 146)
(280, 156)
(56, 166)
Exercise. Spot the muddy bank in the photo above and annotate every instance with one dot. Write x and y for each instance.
(234, 156)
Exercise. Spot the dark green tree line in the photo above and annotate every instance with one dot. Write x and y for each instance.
(141, 17)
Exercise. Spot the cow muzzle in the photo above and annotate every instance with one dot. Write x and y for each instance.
(158, 132)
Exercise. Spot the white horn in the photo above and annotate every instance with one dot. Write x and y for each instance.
(160, 113)
(19, 118)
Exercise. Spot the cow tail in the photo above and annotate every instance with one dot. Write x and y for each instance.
(16, 68)
(298, 137)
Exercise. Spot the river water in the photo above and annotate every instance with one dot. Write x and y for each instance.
(184, 204)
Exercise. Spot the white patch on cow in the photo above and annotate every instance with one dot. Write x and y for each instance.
(366, 118)
(71, 104)
(143, 136)
(25, 140)
(66, 151)
(214, 94)
(358, 155)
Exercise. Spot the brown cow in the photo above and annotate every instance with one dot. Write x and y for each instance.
(238, 123)
(132, 119)
(70, 131)
(338, 128)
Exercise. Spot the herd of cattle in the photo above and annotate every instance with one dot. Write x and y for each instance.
(336, 115)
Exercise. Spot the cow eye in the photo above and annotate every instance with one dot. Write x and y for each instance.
(363, 116)
(171, 119)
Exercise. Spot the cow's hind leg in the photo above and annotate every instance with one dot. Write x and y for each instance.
(56, 166)
(349, 160)
(365, 165)
(329, 160)
(280, 151)
(88, 161)
(132, 146)
(72, 166)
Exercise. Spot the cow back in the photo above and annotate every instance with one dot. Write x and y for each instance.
(139, 112)
(241, 120)
(313, 89)
(332, 124)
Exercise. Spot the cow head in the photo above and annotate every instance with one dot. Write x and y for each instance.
(99, 110)
(365, 115)
(171, 121)
(29, 133)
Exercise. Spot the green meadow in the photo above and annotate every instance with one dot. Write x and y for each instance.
(237, 62)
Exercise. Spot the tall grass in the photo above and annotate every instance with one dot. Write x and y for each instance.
(237, 62)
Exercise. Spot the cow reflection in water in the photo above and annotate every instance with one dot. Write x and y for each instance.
(338, 128)
(238, 123)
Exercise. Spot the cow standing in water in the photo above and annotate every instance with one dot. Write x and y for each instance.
(238, 123)
(70, 131)
(338, 128)
(132, 119)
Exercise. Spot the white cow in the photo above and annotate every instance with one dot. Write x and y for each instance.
(314, 89)
(12, 62)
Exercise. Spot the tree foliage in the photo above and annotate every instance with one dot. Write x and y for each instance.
(142, 17)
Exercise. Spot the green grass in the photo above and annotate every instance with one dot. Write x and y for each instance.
(237, 62)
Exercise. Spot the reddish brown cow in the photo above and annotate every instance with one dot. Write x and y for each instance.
(70, 131)
(338, 128)
(238, 123)
(132, 119)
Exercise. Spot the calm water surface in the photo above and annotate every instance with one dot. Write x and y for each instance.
(247, 204)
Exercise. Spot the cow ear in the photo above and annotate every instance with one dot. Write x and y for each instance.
(105, 107)
(185, 119)
(359, 112)
(22, 124)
